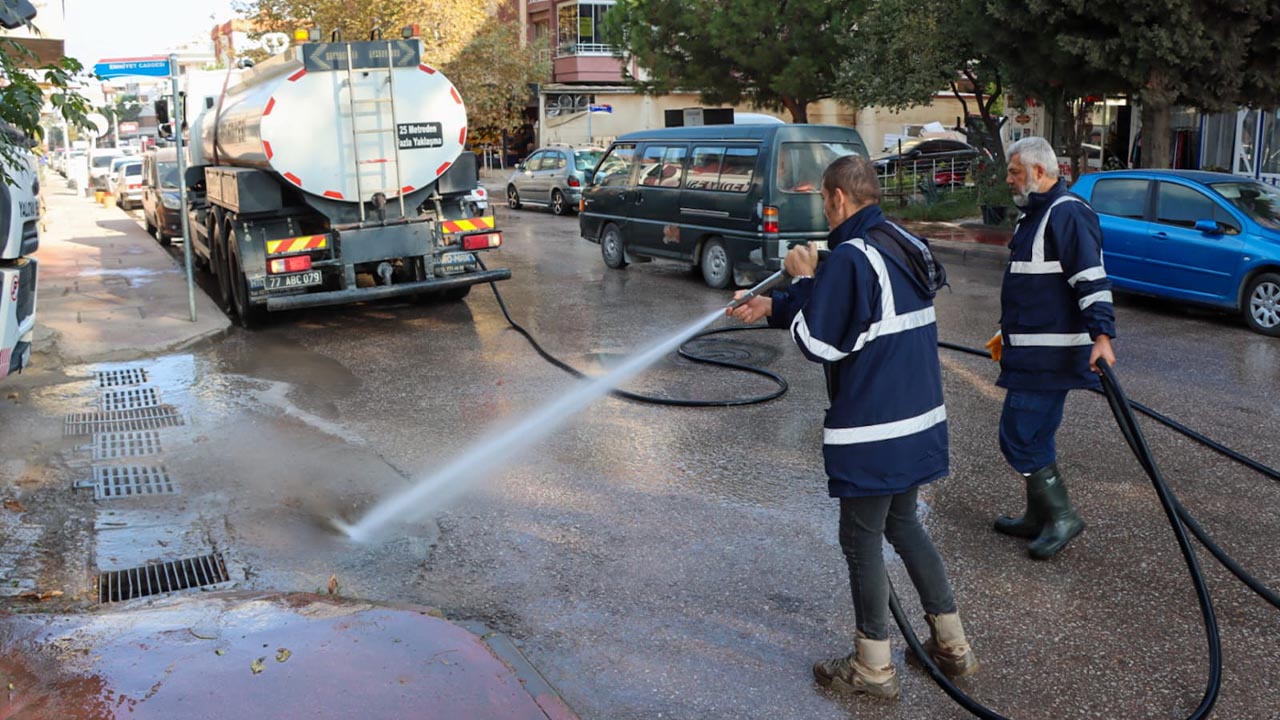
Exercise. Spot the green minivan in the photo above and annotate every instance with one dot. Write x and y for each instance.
(729, 199)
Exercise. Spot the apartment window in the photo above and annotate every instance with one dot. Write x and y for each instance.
(579, 30)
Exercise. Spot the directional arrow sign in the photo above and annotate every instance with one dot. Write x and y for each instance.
(406, 53)
(157, 66)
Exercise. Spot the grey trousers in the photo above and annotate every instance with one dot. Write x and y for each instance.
(865, 523)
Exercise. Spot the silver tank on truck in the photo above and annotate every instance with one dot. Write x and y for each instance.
(338, 126)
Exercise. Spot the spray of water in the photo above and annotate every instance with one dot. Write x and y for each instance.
(500, 445)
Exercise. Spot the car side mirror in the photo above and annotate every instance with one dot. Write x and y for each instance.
(520, 167)
(1209, 227)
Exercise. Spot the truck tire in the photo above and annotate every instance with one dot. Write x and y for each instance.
(611, 247)
(717, 269)
(248, 315)
(218, 265)
(1261, 304)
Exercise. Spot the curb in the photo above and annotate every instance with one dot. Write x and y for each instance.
(970, 254)
(544, 695)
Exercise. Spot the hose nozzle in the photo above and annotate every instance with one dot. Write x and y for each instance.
(761, 288)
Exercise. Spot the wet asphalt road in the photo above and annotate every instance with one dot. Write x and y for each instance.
(683, 563)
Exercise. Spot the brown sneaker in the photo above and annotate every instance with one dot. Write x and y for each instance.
(869, 671)
(948, 647)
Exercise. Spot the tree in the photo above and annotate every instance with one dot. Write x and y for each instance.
(902, 52)
(355, 20)
(770, 54)
(22, 100)
(1160, 51)
(493, 73)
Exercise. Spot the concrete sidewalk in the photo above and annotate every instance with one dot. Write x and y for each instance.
(108, 291)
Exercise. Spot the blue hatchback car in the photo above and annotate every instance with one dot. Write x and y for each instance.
(1206, 238)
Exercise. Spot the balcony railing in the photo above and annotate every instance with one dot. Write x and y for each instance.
(578, 49)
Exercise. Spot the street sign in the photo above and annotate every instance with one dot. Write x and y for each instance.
(128, 127)
(600, 108)
(157, 66)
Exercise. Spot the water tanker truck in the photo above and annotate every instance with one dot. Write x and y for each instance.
(335, 172)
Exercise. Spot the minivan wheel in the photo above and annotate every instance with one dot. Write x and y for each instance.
(611, 247)
(1262, 304)
(717, 271)
(513, 197)
(557, 203)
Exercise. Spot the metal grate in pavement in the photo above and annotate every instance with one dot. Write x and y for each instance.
(121, 378)
(130, 398)
(115, 445)
(172, 576)
(120, 481)
(121, 420)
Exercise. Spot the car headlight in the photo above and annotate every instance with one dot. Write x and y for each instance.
(171, 202)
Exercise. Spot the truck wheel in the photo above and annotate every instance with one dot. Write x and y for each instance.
(611, 247)
(249, 315)
(513, 197)
(218, 264)
(558, 206)
(1261, 306)
(717, 271)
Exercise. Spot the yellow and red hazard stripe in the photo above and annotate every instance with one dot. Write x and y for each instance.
(468, 225)
(305, 243)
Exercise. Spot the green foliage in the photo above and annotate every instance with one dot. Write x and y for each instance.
(765, 53)
(988, 176)
(946, 206)
(493, 74)
(22, 100)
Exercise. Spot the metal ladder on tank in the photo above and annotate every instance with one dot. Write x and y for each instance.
(356, 132)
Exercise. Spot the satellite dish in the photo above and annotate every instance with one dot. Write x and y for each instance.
(99, 124)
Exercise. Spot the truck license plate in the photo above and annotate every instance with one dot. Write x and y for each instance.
(297, 280)
(457, 258)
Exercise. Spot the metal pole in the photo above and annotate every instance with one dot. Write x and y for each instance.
(588, 123)
(177, 118)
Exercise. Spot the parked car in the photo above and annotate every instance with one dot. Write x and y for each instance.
(161, 202)
(729, 199)
(947, 161)
(100, 167)
(116, 164)
(552, 176)
(1200, 237)
(127, 184)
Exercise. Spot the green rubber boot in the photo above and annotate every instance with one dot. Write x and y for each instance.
(1027, 526)
(1061, 523)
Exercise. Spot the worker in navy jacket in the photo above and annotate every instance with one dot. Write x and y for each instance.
(866, 314)
(1056, 323)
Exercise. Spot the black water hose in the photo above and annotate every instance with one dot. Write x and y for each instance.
(683, 352)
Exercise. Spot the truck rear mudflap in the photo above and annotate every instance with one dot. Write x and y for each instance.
(349, 295)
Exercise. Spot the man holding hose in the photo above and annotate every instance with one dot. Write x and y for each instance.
(866, 314)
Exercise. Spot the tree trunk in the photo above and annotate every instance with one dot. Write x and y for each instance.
(1155, 135)
(798, 108)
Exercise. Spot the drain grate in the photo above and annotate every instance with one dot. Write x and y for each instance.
(130, 398)
(121, 420)
(114, 445)
(118, 481)
(172, 576)
(121, 378)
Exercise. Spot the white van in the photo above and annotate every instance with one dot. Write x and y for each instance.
(20, 223)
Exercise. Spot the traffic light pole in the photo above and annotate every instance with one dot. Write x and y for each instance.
(177, 117)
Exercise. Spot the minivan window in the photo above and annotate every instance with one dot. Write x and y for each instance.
(586, 160)
(724, 169)
(672, 167)
(1121, 198)
(615, 168)
(556, 162)
(135, 169)
(168, 172)
(801, 164)
(662, 166)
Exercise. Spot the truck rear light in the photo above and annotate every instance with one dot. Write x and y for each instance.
(573, 182)
(481, 242)
(770, 219)
(135, 186)
(297, 263)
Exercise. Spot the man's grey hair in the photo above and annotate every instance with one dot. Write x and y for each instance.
(1036, 151)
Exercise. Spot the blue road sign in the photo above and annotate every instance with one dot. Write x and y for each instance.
(600, 108)
(125, 67)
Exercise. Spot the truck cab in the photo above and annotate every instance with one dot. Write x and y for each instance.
(20, 223)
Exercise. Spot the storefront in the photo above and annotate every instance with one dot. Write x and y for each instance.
(1246, 143)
